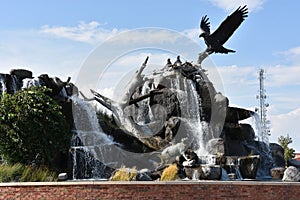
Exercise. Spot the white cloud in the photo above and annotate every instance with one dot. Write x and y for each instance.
(275, 75)
(230, 5)
(233, 75)
(287, 123)
(292, 55)
(282, 76)
(193, 34)
(93, 33)
(90, 32)
(241, 86)
(240, 83)
(31, 50)
(293, 51)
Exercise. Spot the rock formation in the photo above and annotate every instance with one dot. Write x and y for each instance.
(178, 102)
(291, 174)
(155, 114)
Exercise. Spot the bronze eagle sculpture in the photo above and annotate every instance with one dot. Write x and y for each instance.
(217, 39)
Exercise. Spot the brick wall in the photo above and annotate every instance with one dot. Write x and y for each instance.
(151, 190)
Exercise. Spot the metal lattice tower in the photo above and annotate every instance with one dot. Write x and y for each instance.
(262, 110)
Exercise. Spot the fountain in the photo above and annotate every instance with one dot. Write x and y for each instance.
(159, 110)
(156, 113)
(172, 115)
(162, 110)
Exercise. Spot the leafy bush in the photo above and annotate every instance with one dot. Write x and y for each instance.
(170, 173)
(284, 141)
(32, 127)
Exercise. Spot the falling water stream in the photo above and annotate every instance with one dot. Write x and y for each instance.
(90, 133)
(189, 103)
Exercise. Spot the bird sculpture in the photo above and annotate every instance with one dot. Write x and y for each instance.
(217, 39)
(169, 64)
(177, 63)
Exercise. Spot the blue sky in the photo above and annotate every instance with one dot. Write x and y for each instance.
(56, 37)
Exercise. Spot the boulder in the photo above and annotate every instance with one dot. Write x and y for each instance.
(291, 174)
(247, 132)
(235, 114)
(190, 172)
(239, 131)
(21, 73)
(211, 172)
(143, 175)
(249, 166)
(277, 172)
(235, 148)
(62, 176)
(54, 83)
(277, 155)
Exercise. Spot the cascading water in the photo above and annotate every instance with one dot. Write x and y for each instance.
(261, 134)
(195, 175)
(262, 144)
(189, 102)
(31, 82)
(2, 84)
(90, 135)
(9, 83)
(87, 124)
(102, 147)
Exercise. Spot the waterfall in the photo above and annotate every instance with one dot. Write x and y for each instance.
(2, 84)
(8, 83)
(143, 115)
(189, 104)
(255, 123)
(87, 124)
(89, 133)
(261, 133)
(262, 144)
(195, 175)
(31, 82)
(14, 87)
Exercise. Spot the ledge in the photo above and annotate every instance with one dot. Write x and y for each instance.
(99, 182)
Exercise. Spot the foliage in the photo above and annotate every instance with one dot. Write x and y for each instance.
(32, 127)
(289, 153)
(9, 173)
(20, 172)
(170, 173)
(124, 174)
(38, 174)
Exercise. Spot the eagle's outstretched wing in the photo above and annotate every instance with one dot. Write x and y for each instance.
(229, 25)
(205, 24)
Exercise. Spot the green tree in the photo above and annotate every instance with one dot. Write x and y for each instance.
(289, 153)
(32, 127)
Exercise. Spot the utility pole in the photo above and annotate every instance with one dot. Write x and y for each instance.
(262, 110)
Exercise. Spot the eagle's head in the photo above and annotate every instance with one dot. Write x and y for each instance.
(203, 35)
